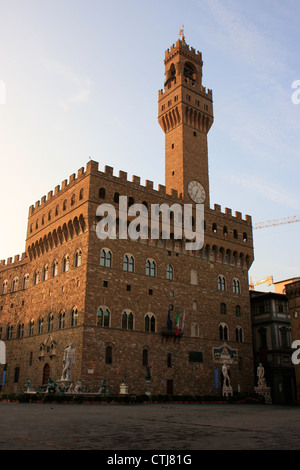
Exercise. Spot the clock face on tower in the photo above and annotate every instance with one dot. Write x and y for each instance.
(196, 192)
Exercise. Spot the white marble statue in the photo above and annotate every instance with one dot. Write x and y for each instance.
(68, 361)
(225, 368)
(261, 375)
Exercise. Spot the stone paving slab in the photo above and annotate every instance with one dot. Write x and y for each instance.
(148, 427)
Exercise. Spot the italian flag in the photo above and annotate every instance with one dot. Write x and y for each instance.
(177, 323)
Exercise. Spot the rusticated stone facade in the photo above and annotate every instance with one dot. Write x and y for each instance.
(112, 297)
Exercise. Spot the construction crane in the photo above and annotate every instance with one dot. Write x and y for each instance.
(270, 223)
(268, 281)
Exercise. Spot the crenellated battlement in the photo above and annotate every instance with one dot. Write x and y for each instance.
(228, 213)
(12, 262)
(181, 44)
(92, 167)
(134, 183)
(58, 190)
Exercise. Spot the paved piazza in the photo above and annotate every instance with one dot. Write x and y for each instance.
(149, 427)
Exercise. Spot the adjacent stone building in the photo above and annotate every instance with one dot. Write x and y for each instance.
(292, 290)
(272, 339)
(118, 299)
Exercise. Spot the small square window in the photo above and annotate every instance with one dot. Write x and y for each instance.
(128, 288)
(150, 292)
(105, 283)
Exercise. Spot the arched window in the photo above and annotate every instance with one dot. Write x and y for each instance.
(54, 268)
(223, 331)
(50, 322)
(150, 322)
(127, 320)
(73, 200)
(9, 331)
(61, 320)
(105, 258)
(150, 268)
(4, 287)
(77, 258)
(15, 284)
(74, 316)
(237, 311)
(170, 272)
(223, 308)
(64, 205)
(81, 194)
(221, 283)
(239, 334)
(57, 210)
(236, 287)
(45, 273)
(103, 317)
(36, 278)
(130, 201)
(66, 264)
(225, 231)
(214, 228)
(49, 215)
(31, 327)
(169, 360)
(128, 263)
(25, 281)
(20, 330)
(116, 198)
(189, 71)
(40, 325)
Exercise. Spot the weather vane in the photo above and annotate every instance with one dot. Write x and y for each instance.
(181, 33)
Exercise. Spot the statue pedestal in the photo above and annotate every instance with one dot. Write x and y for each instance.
(227, 391)
(265, 392)
(123, 389)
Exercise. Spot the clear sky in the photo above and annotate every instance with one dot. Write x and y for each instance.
(79, 79)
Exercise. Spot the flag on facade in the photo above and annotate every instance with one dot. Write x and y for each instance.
(177, 323)
(169, 319)
(182, 326)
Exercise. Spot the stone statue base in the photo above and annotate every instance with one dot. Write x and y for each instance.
(265, 392)
(227, 391)
(123, 389)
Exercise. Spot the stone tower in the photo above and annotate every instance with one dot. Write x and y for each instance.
(185, 115)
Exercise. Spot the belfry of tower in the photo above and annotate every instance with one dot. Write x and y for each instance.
(185, 115)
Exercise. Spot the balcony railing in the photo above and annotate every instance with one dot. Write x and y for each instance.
(171, 333)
